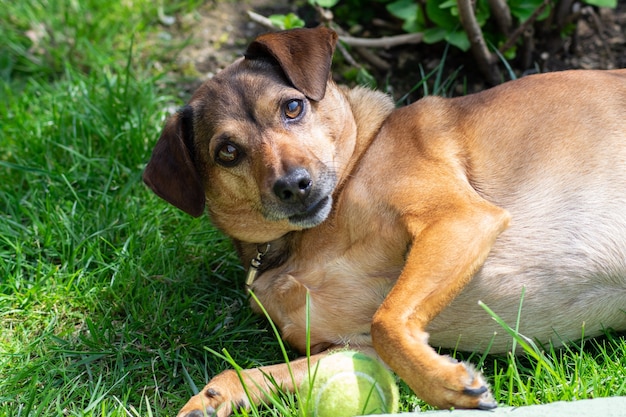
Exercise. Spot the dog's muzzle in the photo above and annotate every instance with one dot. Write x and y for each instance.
(299, 197)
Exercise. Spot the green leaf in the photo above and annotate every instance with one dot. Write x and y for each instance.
(435, 35)
(483, 12)
(448, 4)
(441, 16)
(412, 26)
(361, 76)
(602, 3)
(410, 12)
(324, 3)
(458, 39)
(403, 9)
(523, 9)
(289, 21)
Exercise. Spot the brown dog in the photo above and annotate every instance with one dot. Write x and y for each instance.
(395, 221)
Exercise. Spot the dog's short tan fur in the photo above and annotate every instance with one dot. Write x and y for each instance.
(397, 222)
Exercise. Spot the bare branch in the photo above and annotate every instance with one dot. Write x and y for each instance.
(484, 58)
(346, 55)
(564, 8)
(373, 59)
(502, 14)
(523, 27)
(261, 20)
(383, 42)
(365, 53)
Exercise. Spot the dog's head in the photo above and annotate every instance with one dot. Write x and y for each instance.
(262, 143)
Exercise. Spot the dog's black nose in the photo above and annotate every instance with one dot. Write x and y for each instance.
(294, 186)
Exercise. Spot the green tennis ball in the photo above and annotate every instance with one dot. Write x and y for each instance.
(348, 384)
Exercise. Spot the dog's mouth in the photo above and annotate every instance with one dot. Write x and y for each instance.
(314, 214)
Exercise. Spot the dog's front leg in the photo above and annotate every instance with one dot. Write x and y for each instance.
(224, 392)
(449, 245)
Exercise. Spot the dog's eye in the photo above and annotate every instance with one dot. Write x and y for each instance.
(228, 155)
(293, 109)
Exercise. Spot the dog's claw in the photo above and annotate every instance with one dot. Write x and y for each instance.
(208, 412)
(487, 405)
(475, 392)
(211, 393)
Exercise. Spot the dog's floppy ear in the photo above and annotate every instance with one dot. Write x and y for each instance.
(171, 173)
(305, 56)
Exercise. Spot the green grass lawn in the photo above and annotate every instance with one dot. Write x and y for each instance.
(109, 298)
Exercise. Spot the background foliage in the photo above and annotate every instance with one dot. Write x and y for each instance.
(494, 30)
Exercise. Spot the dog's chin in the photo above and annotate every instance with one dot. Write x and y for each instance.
(313, 215)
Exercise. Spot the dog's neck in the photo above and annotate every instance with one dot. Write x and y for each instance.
(370, 109)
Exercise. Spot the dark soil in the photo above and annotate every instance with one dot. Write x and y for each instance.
(219, 31)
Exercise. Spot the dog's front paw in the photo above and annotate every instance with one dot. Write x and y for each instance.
(455, 385)
(218, 399)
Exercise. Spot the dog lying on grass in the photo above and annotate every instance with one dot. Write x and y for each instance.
(396, 222)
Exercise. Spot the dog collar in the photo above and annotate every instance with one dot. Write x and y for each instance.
(255, 265)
